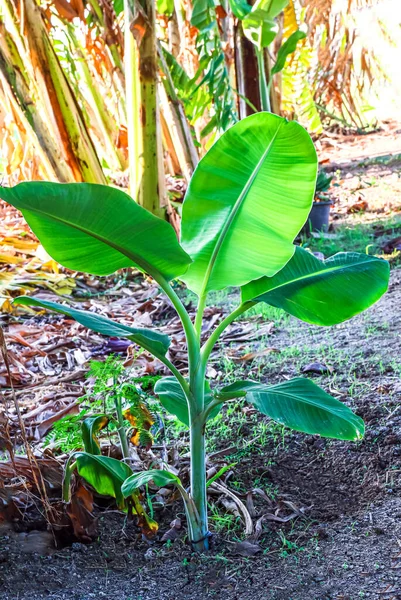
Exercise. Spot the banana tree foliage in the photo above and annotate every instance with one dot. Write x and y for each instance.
(260, 26)
(259, 22)
(248, 198)
(104, 473)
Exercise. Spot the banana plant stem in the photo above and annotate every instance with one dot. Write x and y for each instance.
(69, 468)
(198, 482)
(182, 381)
(122, 434)
(187, 324)
(211, 342)
(198, 416)
(190, 334)
(191, 514)
(263, 87)
(199, 315)
(197, 515)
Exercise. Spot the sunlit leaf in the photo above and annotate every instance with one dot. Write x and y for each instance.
(260, 28)
(259, 24)
(118, 6)
(165, 7)
(97, 229)
(240, 8)
(202, 13)
(286, 49)
(272, 7)
(248, 198)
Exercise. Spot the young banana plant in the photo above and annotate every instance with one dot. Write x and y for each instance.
(247, 200)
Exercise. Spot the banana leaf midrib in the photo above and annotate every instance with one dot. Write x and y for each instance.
(309, 276)
(235, 210)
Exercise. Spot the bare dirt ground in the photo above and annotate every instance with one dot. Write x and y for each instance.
(326, 514)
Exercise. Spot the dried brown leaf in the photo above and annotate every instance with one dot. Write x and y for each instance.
(258, 354)
(317, 368)
(247, 549)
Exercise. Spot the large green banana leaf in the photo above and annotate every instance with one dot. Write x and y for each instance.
(302, 405)
(323, 293)
(248, 198)
(97, 229)
(153, 341)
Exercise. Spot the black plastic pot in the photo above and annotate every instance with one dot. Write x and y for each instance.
(318, 219)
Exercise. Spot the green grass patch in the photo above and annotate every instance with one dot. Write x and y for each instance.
(358, 236)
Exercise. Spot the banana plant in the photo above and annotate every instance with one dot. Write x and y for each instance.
(260, 27)
(107, 474)
(248, 198)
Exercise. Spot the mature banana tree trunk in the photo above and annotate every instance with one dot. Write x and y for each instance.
(59, 100)
(179, 128)
(144, 133)
(106, 17)
(246, 69)
(93, 96)
(18, 87)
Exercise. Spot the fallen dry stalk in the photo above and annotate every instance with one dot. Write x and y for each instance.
(241, 506)
(36, 472)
